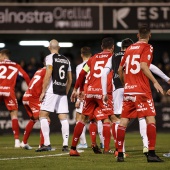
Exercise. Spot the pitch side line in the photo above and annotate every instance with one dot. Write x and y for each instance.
(42, 156)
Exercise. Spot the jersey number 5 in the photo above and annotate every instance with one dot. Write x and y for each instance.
(98, 66)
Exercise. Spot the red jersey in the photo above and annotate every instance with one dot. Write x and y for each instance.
(96, 65)
(9, 71)
(35, 85)
(135, 80)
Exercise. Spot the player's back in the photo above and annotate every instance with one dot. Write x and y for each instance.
(135, 79)
(96, 64)
(8, 74)
(35, 85)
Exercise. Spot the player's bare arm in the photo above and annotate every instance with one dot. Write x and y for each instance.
(120, 72)
(46, 80)
(69, 81)
(73, 95)
(147, 72)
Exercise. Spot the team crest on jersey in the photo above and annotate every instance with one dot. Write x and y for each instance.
(149, 57)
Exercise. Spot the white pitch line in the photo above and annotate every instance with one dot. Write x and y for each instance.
(42, 156)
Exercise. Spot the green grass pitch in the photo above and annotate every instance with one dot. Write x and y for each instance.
(12, 158)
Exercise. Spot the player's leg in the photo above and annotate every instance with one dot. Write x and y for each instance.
(62, 111)
(13, 109)
(15, 127)
(87, 111)
(47, 106)
(100, 132)
(64, 131)
(142, 129)
(151, 133)
(79, 109)
(76, 135)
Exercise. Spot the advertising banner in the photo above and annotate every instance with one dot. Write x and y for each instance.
(48, 18)
(129, 18)
(86, 18)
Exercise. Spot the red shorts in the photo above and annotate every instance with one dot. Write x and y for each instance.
(137, 106)
(95, 108)
(9, 99)
(32, 106)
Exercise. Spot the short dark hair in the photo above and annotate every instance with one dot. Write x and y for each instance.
(144, 31)
(107, 43)
(86, 51)
(6, 52)
(126, 42)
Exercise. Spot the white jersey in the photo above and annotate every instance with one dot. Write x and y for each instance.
(79, 68)
(49, 61)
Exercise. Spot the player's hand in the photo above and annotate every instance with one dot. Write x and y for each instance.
(77, 104)
(158, 88)
(168, 81)
(81, 96)
(105, 99)
(41, 96)
(168, 92)
(73, 95)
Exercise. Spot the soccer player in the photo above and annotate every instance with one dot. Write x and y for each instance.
(85, 55)
(56, 85)
(113, 64)
(138, 100)
(9, 71)
(32, 105)
(93, 95)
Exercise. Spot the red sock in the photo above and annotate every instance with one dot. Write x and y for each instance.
(114, 133)
(106, 136)
(15, 128)
(41, 138)
(93, 131)
(78, 129)
(28, 130)
(151, 133)
(120, 137)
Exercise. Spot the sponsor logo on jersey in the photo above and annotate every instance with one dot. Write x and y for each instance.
(130, 86)
(59, 83)
(4, 93)
(90, 88)
(96, 96)
(131, 98)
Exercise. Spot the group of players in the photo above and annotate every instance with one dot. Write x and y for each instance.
(130, 70)
(106, 78)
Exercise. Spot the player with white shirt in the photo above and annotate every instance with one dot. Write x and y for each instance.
(56, 85)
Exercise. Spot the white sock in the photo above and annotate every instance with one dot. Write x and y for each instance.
(100, 131)
(83, 136)
(142, 128)
(65, 131)
(45, 130)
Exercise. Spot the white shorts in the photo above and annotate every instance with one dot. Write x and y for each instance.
(118, 100)
(55, 103)
(80, 109)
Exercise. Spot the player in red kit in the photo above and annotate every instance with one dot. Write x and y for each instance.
(93, 96)
(9, 71)
(138, 100)
(32, 105)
